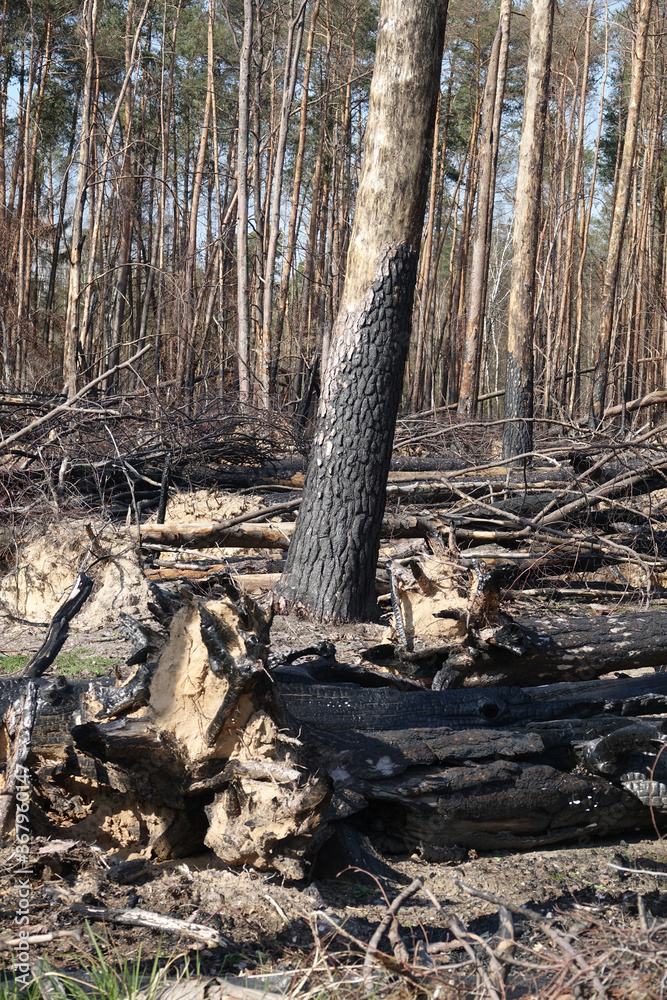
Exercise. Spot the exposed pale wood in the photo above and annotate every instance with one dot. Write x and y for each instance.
(156, 921)
(208, 534)
(518, 433)
(245, 581)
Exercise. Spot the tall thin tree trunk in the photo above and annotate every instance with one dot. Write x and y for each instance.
(269, 360)
(564, 327)
(27, 215)
(125, 199)
(101, 171)
(621, 202)
(491, 110)
(423, 282)
(290, 242)
(242, 293)
(72, 319)
(518, 431)
(186, 354)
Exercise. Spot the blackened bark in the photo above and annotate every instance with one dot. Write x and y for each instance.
(337, 547)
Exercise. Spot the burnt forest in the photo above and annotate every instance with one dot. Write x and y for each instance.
(333, 500)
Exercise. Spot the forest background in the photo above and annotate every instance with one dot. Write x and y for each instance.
(125, 220)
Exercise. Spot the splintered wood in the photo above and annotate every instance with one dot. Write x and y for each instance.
(192, 749)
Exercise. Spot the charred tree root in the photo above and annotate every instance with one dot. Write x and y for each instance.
(59, 627)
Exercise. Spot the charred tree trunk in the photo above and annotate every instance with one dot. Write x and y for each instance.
(331, 566)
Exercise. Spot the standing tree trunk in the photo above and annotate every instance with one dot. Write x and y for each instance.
(125, 208)
(330, 569)
(290, 243)
(621, 202)
(518, 433)
(71, 335)
(479, 271)
(269, 358)
(186, 362)
(242, 300)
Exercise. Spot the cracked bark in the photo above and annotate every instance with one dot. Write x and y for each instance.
(330, 570)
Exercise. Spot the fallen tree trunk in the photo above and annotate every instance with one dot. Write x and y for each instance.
(448, 627)
(209, 534)
(203, 745)
(577, 647)
(531, 651)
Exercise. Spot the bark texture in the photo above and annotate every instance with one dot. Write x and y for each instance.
(331, 564)
(334, 550)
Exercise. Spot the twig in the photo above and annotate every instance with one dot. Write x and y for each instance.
(6, 944)
(460, 933)
(251, 515)
(559, 939)
(157, 921)
(414, 975)
(498, 965)
(636, 871)
(389, 920)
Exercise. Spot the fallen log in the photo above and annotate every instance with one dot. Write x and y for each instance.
(332, 707)
(203, 746)
(245, 581)
(344, 707)
(533, 651)
(448, 627)
(209, 534)
(650, 399)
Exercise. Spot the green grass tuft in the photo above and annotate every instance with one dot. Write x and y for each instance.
(70, 663)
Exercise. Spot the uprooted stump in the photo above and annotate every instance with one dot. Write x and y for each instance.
(210, 741)
(450, 630)
(194, 747)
